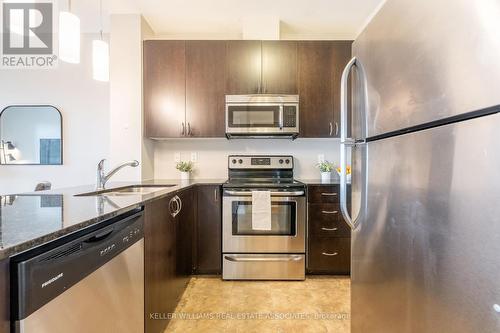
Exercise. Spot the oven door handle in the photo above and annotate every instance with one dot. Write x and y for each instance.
(273, 193)
(260, 259)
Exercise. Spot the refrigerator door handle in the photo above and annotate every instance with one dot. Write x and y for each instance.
(346, 142)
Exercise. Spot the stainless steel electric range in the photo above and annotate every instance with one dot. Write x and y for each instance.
(277, 253)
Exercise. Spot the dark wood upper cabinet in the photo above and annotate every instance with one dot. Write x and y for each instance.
(164, 88)
(205, 88)
(185, 83)
(341, 54)
(243, 67)
(279, 67)
(208, 231)
(320, 66)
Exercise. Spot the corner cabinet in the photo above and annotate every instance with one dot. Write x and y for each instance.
(320, 66)
(329, 237)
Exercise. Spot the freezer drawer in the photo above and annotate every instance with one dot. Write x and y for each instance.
(263, 266)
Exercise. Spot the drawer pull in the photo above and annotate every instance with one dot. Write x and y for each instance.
(329, 194)
(330, 254)
(329, 229)
(329, 212)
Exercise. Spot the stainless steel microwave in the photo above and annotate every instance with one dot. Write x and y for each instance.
(262, 116)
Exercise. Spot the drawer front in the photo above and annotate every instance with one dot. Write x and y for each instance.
(326, 220)
(329, 255)
(263, 266)
(323, 193)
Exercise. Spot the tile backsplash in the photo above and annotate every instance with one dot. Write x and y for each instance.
(212, 154)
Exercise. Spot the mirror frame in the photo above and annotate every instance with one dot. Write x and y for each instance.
(60, 120)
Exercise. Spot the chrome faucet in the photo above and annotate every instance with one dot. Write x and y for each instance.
(102, 177)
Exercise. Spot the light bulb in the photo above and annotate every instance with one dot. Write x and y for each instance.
(69, 37)
(100, 60)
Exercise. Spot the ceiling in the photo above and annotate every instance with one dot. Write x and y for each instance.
(328, 19)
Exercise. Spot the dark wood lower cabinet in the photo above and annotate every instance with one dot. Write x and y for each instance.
(184, 223)
(329, 255)
(208, 231)
(159, 264)
(329, 237)
(170, 245)
(4, 296)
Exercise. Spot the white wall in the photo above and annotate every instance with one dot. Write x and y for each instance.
(84, 104)
(212, 154)
(125, 127)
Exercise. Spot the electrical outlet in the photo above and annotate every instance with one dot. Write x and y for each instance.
(194, 157)
(321, 158)
(177, 157)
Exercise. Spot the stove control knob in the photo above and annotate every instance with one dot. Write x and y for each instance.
(234, 161)
(281, 161)
(240, 161)
(287, 161)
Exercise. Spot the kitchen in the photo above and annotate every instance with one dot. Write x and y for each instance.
(235, 133)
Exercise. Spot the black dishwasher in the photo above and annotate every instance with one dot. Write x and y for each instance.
(91, 281)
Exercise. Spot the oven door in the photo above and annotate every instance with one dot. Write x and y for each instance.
(253, 118)
(288, 222)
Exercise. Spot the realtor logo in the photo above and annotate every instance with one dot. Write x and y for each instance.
(27, 30)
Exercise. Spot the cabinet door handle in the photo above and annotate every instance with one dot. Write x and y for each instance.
(179, 201)
(173, 211)
(331, 129)
(329, 211)
(330, 254)
(189, 132)
(329, 229)
(329, 194)
(183, 131)
(216, 195)
(336, 128)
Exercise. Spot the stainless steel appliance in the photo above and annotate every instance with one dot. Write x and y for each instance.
(426, 183)
(262, 116)
(274, 254)
(92, 281)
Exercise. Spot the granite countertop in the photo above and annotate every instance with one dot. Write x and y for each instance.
(31, 219)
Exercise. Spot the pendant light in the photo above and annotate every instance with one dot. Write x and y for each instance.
(69, 36)
(100, 55)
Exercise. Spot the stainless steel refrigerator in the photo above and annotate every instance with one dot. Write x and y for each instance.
(421, 126)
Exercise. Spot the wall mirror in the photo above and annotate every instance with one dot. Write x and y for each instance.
(31, 134)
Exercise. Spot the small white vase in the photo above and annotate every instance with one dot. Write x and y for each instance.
(185, 175)
(326, 177)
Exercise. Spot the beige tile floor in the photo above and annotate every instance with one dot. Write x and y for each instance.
(319, 304)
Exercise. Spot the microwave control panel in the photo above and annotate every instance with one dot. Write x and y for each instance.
(289, 116)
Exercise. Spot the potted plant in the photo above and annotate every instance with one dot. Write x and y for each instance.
(325, 168)
(185, 168)
(347, 173)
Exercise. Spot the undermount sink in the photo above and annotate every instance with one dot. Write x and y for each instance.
(127, 190)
